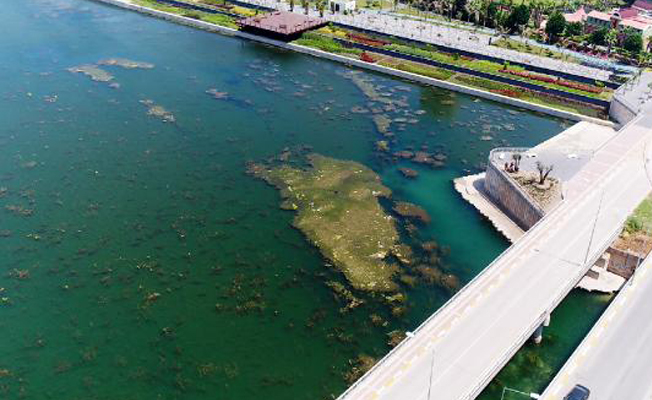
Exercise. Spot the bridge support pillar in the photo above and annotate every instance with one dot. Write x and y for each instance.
(537, 336)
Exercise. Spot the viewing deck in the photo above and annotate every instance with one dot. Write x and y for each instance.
(280, 25)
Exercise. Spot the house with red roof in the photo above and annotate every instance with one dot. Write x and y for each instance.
(635, 18)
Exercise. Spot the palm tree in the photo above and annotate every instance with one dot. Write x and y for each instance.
(449, 4)
(473, 7)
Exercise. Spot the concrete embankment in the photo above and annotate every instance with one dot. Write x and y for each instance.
(354, 62)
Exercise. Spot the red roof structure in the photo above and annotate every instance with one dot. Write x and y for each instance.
(278, 24)
(643, 5)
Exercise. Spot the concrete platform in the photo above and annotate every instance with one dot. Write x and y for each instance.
(569, 151)
(471, 189)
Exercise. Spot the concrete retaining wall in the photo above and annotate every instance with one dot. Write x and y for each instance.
(357, 63)
(621, 111)
(622, 263)
(510, 198)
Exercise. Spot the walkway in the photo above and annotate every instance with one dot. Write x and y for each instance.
(613, 361)
(475, 334)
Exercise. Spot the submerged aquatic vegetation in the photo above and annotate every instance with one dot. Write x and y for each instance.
(338, 210)
(409, 210)
(93, 72)
(124, 63)
(158, 111)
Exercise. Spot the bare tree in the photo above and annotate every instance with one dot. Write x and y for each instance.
(544, 171)
(516, 157)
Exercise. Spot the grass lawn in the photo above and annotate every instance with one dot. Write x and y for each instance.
(218, 19)
(641, 219)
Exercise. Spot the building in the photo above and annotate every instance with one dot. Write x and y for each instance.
(597, 20)
(341, 6)
(643, 5)
(578, 16)
(280, 25)
(635, 18)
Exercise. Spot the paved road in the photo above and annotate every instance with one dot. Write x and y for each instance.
(476, 42)
(480, 329)
(615, 359)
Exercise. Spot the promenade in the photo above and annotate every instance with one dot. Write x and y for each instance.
(459, 349)
(439, 34)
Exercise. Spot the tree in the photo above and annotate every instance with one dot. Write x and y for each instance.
(574, 28)
(516, 157)
(519, 16)
(611, 38)
(291, 5)
(633, 42)
(449, 5)
(492, 14)
(544, 171)
(305, 4)
(321, 6)
(555, 26)
(460, 8)
(597, 37)
(473, 8)
(536, 8)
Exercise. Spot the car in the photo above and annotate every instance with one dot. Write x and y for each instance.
(579, 392)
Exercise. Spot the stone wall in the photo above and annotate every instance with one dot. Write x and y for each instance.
(510, 198)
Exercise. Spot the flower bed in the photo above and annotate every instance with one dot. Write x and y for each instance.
(507, 92)
(556, 81)
(366, 57)
(362, 39)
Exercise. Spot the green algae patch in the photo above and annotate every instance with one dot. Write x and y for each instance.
(93, 72)
(337, 209)
(125, 63)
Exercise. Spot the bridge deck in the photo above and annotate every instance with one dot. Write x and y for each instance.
(472, 337)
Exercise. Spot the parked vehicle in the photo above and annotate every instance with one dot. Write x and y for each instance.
(579, 392)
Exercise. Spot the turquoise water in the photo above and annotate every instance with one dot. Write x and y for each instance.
(131, 245)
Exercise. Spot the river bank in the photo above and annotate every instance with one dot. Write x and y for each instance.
(211, 27)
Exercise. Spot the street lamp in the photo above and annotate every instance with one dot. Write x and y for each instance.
(529, 395)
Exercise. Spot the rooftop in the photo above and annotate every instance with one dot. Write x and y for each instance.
(577, 16)
(282, 23)
(643, 5)
(636, 24)
(600, 15)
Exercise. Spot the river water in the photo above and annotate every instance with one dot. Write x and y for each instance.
(130, 244)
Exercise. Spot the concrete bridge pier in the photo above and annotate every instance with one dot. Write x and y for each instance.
(537, 336)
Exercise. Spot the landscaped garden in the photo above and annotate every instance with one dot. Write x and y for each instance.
(597, 91)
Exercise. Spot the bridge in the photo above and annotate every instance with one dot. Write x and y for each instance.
(458, 350)
(613, 361)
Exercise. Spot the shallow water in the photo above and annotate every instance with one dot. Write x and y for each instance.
(140, 261)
